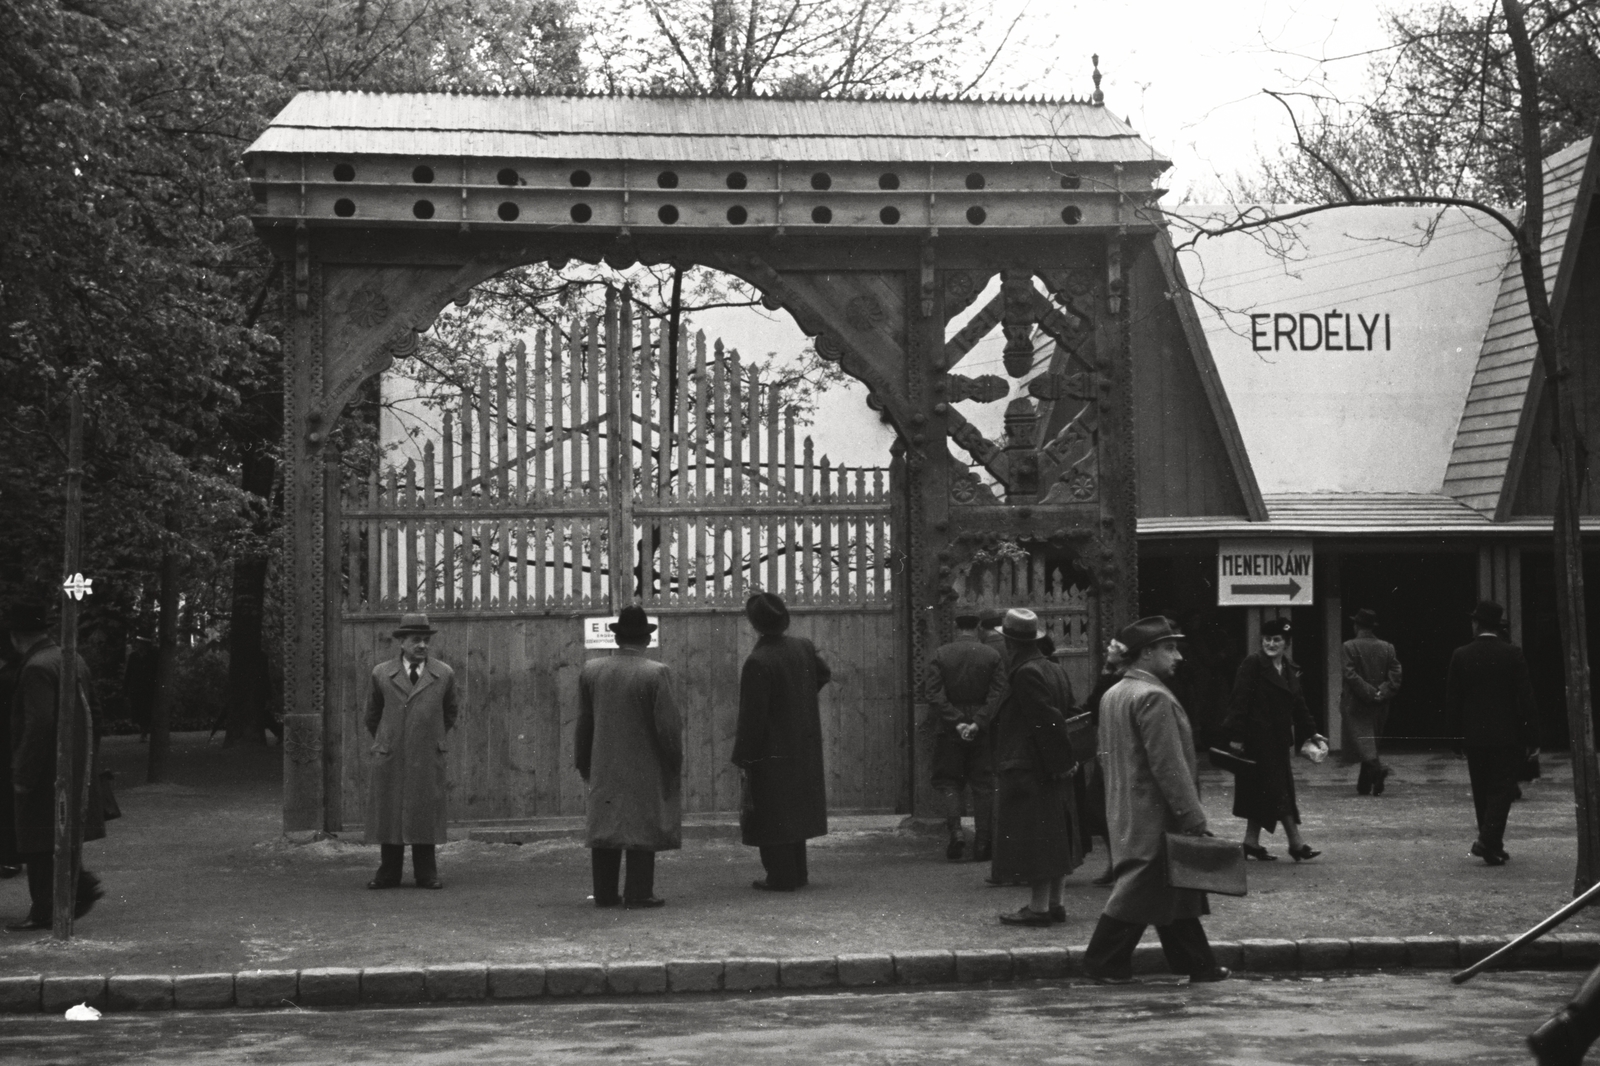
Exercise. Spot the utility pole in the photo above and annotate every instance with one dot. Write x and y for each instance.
(71, 770)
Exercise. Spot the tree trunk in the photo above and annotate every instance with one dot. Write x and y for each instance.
(249, 670)
(166, 671)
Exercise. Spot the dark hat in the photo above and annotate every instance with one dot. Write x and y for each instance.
(1020, 624)
(24, 616)
(991, 616)
(1367, 618)
(1146, 631)
(1488, 614)
(632, 622)
(1276, 627)
(414, 625)
(767, 612)
(1047, 646)
(967, 621)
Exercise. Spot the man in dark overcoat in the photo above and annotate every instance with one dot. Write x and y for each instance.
(1035, 838)
(1371, 678)
(1489, 704)
(410, 709)
(965, 682)
(1152, 788)
(778, 745)
(35, 704)
(629, 751)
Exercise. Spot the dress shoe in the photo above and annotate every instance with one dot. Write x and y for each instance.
(1058, 913)
(1379, 776)
(764, 886)
(27, 925)
(1364, 781)
(1109, 980)
(430, 882)
(1027, 916)
(1258, 853)
(643, 904)
(1304, 853)
(615, 901)
(1490, 858)
(1220, 973)
(383, 882)
(954, 848)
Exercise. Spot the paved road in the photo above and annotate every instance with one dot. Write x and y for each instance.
(1417, 1018)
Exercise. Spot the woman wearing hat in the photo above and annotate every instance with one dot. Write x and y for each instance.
(1268, 718)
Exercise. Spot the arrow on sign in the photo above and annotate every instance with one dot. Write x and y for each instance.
(1291, 589)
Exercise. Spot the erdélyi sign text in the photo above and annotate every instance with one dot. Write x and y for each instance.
(1264, 573)
(597, 634)
(1335, 331)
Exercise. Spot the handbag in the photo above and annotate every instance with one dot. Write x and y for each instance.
(1206, 864)
(1231, 761)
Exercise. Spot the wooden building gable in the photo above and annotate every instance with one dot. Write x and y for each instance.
(1502, 463)
(1191, 458)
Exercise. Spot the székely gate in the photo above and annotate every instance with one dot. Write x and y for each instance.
(873, 223)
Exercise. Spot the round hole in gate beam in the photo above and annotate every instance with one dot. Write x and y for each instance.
(821, 182)
(422, 175)
(508, 211)
(507, 176)
(580, 179)
(889, 216)
(667, 179)
(738, 215)
(422, 209)
(976, 215)
(344, 172)
(821, 215)
(1071, 181)
(888, 181)
(581, 213)
(1072, 214)
(344, 207)
(737, 180)
(667, 214)
(975, 181)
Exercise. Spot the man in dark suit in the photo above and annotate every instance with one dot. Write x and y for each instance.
(1488, 703)
(966, 681)
(778, 746)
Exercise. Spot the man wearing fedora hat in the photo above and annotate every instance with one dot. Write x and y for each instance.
(778, 746)
(1147, 752)
(34, 710)
(411, 708)
(629, 751)
(1489, 704)
(1371, 678)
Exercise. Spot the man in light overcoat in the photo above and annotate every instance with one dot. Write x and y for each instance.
(629, 751)
(1147, 752)
(778, 746)
(1371, 678)
(411, 709)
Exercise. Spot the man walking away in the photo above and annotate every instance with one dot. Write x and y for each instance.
(1371, 678)
(1488, 702)
(1151, 790)
(629, 745)
(965, 683)
(411, 707)
(778, 745)
(35, 704)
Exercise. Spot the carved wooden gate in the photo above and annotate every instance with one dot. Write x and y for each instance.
(573, 478)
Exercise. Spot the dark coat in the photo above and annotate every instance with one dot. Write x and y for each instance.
(1371, 676)
(629, 749)
(406, 797)
(1269, 715)
(966, 681)
(1090, 783)
(33, 751)
(1152, 789)
(1488, 695)
(1035, 838)
(779, 742)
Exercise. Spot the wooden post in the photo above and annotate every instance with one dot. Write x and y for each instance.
(1333, 646)
(71, 771)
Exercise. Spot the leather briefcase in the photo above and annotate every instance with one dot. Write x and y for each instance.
(1209, 864)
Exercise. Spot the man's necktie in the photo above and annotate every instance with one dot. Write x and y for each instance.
(414, 669)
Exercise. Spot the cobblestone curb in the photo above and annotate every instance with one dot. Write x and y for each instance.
(477, 982)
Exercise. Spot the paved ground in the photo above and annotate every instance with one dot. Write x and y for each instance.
(1334, 1021)
(200, 880)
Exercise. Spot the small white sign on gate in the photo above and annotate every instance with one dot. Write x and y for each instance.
(1261, 573)
(597, 635)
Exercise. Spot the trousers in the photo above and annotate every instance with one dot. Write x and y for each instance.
(962, 765)
(606, 863)
(785, 864)
(42, 886)
(393, 861)
(1367, 728)
(1110, 951)
(1493, 772)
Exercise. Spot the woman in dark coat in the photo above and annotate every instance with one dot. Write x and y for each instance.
(1091, 779)
(1267, 720)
